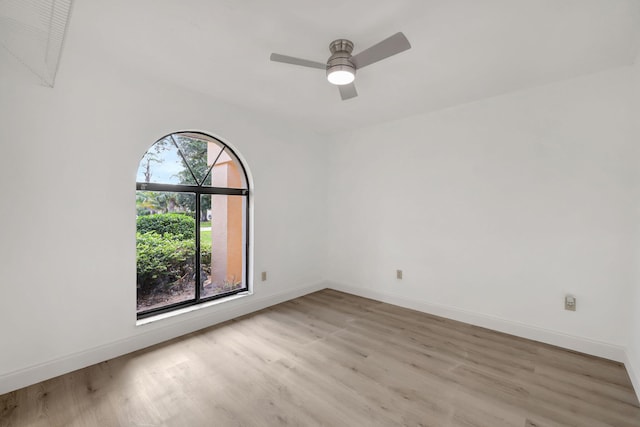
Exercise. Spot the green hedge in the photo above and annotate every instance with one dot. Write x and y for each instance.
(205, 255)
(162, 259)
(172, 223)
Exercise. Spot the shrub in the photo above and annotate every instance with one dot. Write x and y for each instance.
(162, 259)
(172, 223)
(205, 256)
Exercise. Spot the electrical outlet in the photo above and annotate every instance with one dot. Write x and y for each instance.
(264, 276)
(570, 303)
(399, 274)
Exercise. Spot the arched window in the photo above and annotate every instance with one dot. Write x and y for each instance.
(192, 201)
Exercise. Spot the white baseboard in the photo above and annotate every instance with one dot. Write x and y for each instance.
(632, 363)
(178, 327)
(571, 342)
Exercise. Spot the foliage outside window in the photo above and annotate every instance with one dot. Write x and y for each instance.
(191, 226)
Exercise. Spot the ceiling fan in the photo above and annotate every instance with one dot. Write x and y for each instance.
(341, 66)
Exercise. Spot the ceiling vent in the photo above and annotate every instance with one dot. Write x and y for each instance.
(33, 31)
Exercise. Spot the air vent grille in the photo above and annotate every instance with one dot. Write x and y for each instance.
(33, 31)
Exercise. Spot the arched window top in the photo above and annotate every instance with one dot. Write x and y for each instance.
(194, 159)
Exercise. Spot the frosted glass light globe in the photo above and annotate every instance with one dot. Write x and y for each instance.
(341, 77)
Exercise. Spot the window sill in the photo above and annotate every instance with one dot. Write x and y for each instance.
(190, 309)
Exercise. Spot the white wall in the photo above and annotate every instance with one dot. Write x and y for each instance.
(68, 161)
(633, 356)
(495, 210)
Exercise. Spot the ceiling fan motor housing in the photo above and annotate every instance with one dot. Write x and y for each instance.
(340, 59)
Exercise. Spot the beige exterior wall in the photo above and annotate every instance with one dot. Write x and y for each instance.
(227, 218)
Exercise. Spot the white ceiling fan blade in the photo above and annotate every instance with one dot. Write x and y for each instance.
(347, 91)
(388, 47)
(297, 61)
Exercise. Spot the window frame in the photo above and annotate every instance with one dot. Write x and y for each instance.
(199, 190)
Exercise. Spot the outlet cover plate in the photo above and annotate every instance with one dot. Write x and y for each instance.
(570, 303)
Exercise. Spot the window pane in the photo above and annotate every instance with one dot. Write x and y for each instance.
(222, 242)
(199, 154)
(226, 173)
(166, 248)
(163, 164)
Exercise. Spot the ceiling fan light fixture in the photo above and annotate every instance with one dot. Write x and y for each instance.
(342, 65)
(341, 75)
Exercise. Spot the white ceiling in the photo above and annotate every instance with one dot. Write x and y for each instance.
(462, 50)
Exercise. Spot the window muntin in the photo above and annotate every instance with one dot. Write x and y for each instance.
(189, 180)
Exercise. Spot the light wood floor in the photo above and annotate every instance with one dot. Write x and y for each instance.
(334, 359)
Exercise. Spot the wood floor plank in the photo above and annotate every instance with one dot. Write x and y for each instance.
(334, 359)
